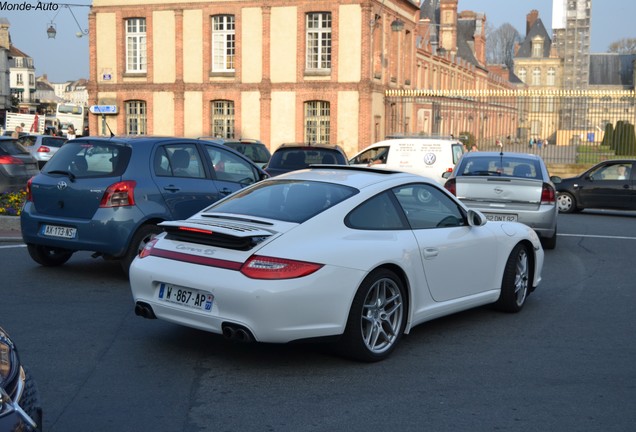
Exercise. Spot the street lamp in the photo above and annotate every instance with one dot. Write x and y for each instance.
(397, 25)
(51, 30)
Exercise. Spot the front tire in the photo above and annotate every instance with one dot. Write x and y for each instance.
(377, 318)
(143, 235)
(566, 202)
(48, 256)
(516, 281)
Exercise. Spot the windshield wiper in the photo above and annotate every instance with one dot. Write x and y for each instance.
(69, 174)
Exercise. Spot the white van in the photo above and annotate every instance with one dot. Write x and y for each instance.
(428, 157)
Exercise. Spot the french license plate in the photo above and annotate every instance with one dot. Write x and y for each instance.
(59, 231)
(196, 299)
(501, 217)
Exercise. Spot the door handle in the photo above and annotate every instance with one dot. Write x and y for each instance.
(430, 253)
(171, 188)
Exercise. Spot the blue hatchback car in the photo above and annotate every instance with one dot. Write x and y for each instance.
(107, 195)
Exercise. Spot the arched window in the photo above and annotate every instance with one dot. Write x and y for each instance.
(136, 117)
(222, 118)
(317, 122)
(536, 76)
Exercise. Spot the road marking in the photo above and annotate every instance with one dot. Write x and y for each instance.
(597, 236)
(12, 246)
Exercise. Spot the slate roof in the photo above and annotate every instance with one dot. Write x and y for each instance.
(612, 69)
(537, 29)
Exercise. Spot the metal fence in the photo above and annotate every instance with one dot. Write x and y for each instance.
(566, 127)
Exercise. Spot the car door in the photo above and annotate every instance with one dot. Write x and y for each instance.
(229, 170)
(376, 156)
(457, 259)
(603, 187)
(180, 174)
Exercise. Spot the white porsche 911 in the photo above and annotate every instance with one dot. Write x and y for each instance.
(361, 255)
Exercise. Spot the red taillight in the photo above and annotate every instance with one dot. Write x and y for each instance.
(450, 186)
(10, 160)
(44, 149)
(29, 196)
(147, 248)
(548, 196)
(261, 267)
(119, 194)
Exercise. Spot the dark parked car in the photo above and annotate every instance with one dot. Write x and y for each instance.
(292, 157)
(607, 185)
(255, 150)
(20, 408)
(107, 195)
(42, 147)
(17, 165)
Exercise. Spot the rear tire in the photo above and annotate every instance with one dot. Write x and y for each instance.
(143, 235)
(48, 256)
(377, 318)
(516, 280)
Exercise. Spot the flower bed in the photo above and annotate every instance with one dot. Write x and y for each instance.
(11, 203)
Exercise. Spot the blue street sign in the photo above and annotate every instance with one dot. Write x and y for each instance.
(103, 109)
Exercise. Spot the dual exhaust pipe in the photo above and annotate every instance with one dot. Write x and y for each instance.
(230, 331)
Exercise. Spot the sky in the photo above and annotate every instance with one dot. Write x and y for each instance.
(65, 58)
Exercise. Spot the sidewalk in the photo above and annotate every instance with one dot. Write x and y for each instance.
(10, 229)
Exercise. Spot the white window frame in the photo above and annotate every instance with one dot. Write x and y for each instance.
(317, 122)
(136, 120)
(222, 118)
(523, 74)
(136, 47)
(223, 43)
(536, 76)
(318, 41)
(537, 48)
(551, 77)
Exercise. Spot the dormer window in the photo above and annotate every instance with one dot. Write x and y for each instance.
(537, 47)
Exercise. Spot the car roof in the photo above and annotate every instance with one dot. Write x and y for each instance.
(494, 154)
(355, 176)
(309, 146)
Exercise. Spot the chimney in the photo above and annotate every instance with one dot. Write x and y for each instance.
(5, 40)
(448, 25)
(531, 18)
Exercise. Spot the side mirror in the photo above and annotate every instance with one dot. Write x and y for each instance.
(446, 174)
(476, 218)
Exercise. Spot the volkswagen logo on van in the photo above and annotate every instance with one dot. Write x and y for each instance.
(429, 158)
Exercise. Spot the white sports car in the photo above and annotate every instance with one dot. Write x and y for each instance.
(358, 254)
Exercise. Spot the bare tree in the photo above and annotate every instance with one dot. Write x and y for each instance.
(500, 44)
(623, 46)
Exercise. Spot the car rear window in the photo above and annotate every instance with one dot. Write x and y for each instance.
(293, 159)
(86, 158)
(290, 201)
(53, 142)
(11, 147)
(505, 166)
(255, 152)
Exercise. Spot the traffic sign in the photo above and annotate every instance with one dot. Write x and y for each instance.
(103, 109)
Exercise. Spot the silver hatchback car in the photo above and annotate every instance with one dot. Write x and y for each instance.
(41, 147)
(508, 187)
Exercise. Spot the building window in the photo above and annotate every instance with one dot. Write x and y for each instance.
(522, 75)
(19, 62)
(223, 43)
(222, 121)
(31, 80)
(551, 79)
(136, 45)
(136, 118)
(18, 79)
(536, 76)
(317, 122)
(537, 48)
(319, 41)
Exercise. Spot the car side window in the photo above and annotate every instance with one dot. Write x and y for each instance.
(230, 167)
(178, 160)
(612, 171)
(377, 213)
(374, 155)
(428, 207)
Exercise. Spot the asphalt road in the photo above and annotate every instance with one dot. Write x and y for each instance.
(567, 362)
